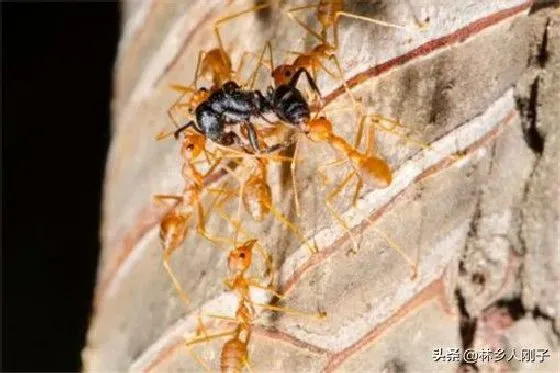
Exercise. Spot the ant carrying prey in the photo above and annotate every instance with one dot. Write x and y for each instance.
(231, 105)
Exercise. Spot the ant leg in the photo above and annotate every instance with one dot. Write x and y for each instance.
(324, 177)
(268, 46)
(255, 284)
(207, 338)
(160, 197)
(413, 265)
(232, 153)
(343, 79)
(200, 329)
(302, 24)
(176, 283)
(201, 229)
(253, 137)
(213, 163)
(239, 212)
(198, 359)
(184, 90)
(325, 69)
(370, 150)
(270, 307)
(168, 252)
(377, 121)
(224, 216)
(293, 81)
(336, 215)
(374, 20)
(163, 135)
(294, 179)
(197, 70)
(225, 19)
(294, 228)
(270, 271)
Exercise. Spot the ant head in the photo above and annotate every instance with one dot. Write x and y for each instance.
(319, 129)
(193, 144)
(171, 226)
(241, 257)
(196, 99)
(283, 73)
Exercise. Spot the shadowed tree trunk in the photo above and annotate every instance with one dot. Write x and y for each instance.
(477, 211)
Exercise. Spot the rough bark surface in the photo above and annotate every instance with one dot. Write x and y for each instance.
(482, 82)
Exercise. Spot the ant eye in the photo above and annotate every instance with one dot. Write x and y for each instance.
(242, 255)
(190, 147)
(287, 73)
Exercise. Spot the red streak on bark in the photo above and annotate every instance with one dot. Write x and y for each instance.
(435, 290)
(455, 37)
(182, 48)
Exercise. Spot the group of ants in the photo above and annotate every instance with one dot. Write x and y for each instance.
(237, 119)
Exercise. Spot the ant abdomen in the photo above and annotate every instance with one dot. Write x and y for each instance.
(257, 198)
(234, 356)
(217, 64)
(373, 170)
(241, 257)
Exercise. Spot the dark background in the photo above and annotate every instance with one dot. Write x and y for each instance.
(57, 62)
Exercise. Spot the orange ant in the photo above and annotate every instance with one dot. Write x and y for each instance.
(214, 65)
(174, 225)
(255, 195)
(368, 166)
(234, 354)
(328, 14)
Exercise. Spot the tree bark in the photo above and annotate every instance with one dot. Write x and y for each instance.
(478, 210)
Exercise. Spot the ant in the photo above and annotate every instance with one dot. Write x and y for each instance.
(231, 105)
(368, 167)
(328, 14)
(255, 196)
(235, 354)
(290, 107)
(216, 65)
(174, 225)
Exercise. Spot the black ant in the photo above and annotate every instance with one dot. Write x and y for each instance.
(231, 105)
